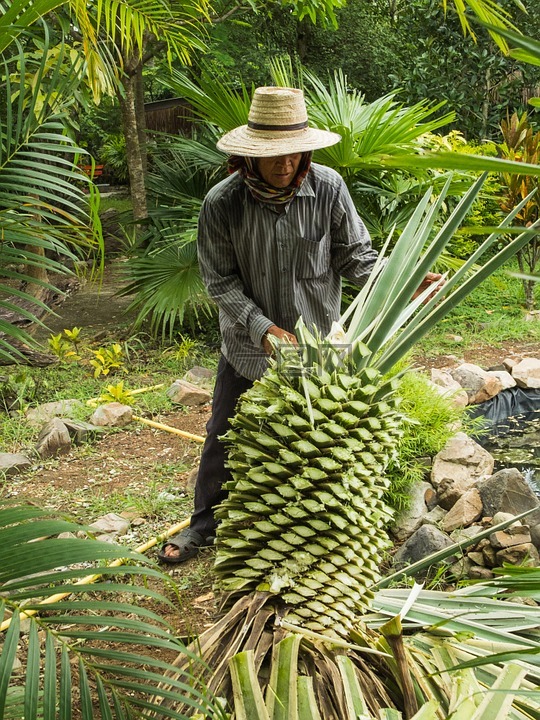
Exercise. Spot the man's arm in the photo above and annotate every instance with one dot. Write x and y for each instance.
(219, 270)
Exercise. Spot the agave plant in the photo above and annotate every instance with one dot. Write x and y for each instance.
(302, 531)
(74, 643)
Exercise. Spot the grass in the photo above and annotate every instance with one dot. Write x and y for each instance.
(492, 315)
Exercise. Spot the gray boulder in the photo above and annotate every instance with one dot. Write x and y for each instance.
(527, 373)
(47, 411)
(479, 384)
(425, 541)
(507, 491)
(13, 464)
(53, 440)
(410, 519)
(186, 393)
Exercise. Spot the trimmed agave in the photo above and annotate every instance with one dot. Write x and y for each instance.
(305, 514)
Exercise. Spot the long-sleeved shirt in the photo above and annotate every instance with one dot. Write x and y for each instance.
(266, 266)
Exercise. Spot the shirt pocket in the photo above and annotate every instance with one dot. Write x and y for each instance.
(313, 257)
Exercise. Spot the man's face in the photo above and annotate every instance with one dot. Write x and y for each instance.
(279, 171)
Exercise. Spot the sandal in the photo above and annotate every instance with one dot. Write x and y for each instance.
(188, 543)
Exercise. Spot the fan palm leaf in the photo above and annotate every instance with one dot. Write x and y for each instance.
(43, 205)
(95, 649)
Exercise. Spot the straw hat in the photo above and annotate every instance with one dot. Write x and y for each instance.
(277, 125)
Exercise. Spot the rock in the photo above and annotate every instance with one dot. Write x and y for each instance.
(410, 519)
(431, 497)
(198, 375)
(535, 535)
(47, 411)
(464, 512)
(445, 384)
(186, 393)
(457, 468)
(509, 363)
(490, 555)
(479, 572)
(509, 537)
(192, 479)
(425, 541)
(476, 557)
(435, 516)
(113, 414)
(532, 316)
(465, 533)
(525, 554)
(458, 397)
(507, 491)
(13, 464)
(501, 517)
(66, 536)
(479, 384)
(460, 569)
(527, 373)
(53, 439)
(80, 431)
(111, 523)
(506, 380)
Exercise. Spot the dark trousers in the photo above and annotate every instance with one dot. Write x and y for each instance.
(212, 471)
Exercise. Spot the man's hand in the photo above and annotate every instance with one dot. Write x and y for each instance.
(434, 279)
(281, 335)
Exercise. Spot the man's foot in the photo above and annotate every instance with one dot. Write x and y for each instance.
(184, 546)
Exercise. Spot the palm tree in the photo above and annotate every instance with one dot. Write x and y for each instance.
(302, 534)
(90, 645)
(44, 210)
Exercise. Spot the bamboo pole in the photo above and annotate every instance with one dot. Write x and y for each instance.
(168, 428)
(90, 579)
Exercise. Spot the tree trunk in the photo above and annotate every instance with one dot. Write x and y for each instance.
(134, 149)
(37, 273)
(141, 117)
(485, 105)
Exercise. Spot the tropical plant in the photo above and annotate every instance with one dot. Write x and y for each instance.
(522, 144)
(88, 643)
(302, 530)
(44, 212)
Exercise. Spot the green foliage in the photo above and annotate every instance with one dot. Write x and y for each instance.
(43, 206)
(87, 651)
(108, 359)
(430, 421)
(116, 393)
(113, 155)
(478, 83)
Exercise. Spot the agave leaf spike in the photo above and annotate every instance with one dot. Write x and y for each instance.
(416, 330)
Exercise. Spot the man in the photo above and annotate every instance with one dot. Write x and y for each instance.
(275, 239)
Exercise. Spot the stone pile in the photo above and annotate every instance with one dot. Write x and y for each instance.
(469, 384)
(463, 499)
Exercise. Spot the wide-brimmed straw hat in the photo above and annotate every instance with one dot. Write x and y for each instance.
(277, 125)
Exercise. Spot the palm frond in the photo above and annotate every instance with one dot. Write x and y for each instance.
(213, 100)
(95, 648)
(44, 207)
(167, 281)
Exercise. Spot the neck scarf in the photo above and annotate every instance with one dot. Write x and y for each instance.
(259, 188)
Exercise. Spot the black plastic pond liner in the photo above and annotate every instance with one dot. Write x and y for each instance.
(506, 412)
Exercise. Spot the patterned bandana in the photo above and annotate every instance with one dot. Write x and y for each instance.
(259, 188)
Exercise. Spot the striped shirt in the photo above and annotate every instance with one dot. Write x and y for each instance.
(267, 266)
